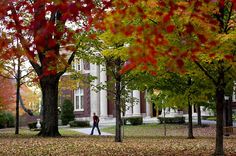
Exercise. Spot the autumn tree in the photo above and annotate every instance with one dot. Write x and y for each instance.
(180, 29)
(113, 51)
(6, 95)
(14, 68)
(45, 30)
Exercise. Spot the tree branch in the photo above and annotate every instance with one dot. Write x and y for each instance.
(205, 71)
(69, 63)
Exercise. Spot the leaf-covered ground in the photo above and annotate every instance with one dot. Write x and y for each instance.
(74, 144)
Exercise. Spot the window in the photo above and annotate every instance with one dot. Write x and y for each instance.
(78, 64)
(79, 99)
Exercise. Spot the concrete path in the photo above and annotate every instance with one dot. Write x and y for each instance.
(88, 131)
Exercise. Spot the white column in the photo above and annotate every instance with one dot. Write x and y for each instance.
(136, 106)
(94, 95)
(103, 93)
(128, 106)
(148, 105)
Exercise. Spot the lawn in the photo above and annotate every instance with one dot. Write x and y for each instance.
(74, 144)
(158, 130)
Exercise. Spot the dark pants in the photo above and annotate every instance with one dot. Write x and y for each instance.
(95, 125)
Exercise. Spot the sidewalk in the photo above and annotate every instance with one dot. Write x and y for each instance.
(106, 123)
(88, 131)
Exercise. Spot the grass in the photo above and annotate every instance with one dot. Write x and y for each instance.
(153, 130)
(140, 141)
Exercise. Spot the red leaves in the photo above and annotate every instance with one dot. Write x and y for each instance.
(207, 1)
(180, 63)
(133, 1)
(170, 28)
(222, 3)
(166, 18)
(234, 4)
(189, 28)
(229, 57)
(52, 43)
(202, 38)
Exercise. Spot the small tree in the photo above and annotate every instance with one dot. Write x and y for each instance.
(67, 112)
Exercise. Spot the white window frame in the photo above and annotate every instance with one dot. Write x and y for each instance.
(78, 63)
(80, 94)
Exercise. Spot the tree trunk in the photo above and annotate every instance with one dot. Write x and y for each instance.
(17, 97)
(219, 150)
(190, 121)
(49, 87)
(118, 137)
(199, 120)
(230, 116)
(164, 121)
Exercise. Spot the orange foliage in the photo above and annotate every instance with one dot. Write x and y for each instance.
(7, 94)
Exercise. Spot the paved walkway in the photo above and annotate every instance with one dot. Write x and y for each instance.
(88, 131)
(106, 123)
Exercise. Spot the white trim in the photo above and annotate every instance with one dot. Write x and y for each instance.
(78, 64)
(80, 94)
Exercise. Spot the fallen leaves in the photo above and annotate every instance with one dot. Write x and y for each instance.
(74, 145)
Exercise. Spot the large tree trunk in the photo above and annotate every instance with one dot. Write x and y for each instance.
(118, 137)
(190, 121)
(219, 150)
(49, 87)
(199, 120)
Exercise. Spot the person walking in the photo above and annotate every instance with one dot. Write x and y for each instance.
(95, 124)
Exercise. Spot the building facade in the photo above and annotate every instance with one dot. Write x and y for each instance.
(87, 100)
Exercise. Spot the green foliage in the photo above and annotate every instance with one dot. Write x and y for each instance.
(67, 112)
(137, 120)
(234, 116)
(6, 119)
(79, 124)
(178, 120)
(213, 118)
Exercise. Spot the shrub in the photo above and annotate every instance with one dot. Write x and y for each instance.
(10, 119)
(234, 117)
(67, 112)
(79, 124)
(32, 125)
(6, 120)
(137, 120)
(172, 119)
(213, 118)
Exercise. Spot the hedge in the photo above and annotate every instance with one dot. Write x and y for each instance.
(79, 124)
(136, 120)
(6, 119)
(172, 119)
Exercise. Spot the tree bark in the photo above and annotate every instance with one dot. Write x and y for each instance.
(118, 137)
(219, 150)
(190, 121)
(199, 120)
(49, 87)
(18, 78)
